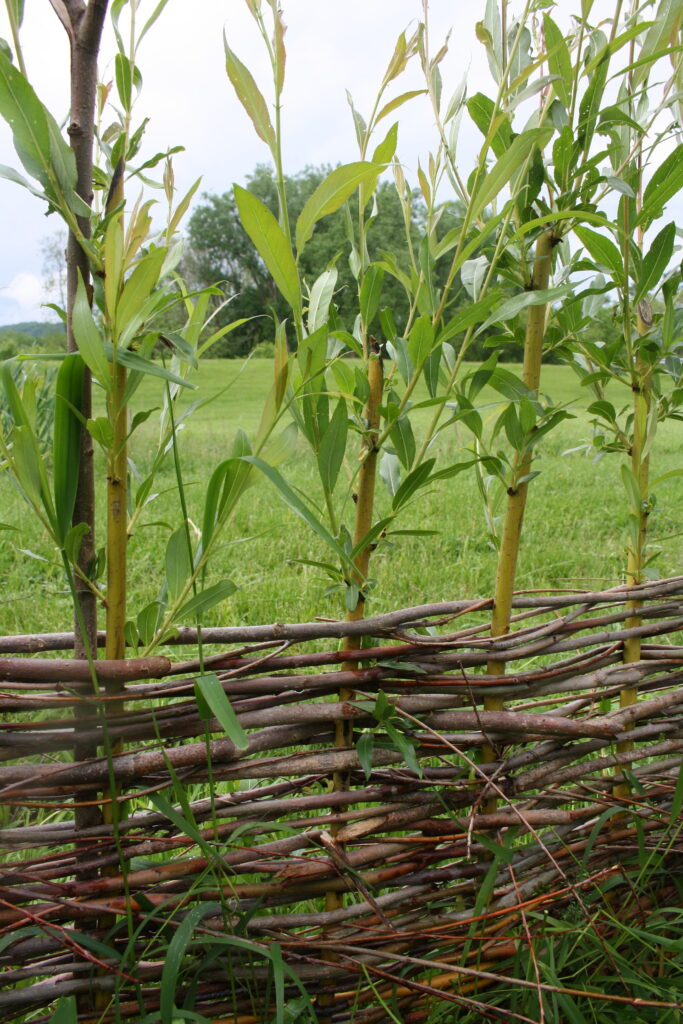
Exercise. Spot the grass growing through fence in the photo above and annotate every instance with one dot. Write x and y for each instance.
(575, 538)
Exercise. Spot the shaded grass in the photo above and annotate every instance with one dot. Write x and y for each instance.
(574, 536)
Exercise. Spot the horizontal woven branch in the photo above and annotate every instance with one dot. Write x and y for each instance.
(409, 834)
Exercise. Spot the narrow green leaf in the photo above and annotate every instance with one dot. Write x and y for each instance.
(89, 339)
(403, 440)
(371, 293)
(398, 101)
(320, 299)
(492, 183)
(123, 73)
(471, 314)
(559, 60)
(664, 184)
(67, 440)
(137, 363)
(25, 114)
(604, 252)
(420, 341)
(365, 744)
(250, 97)
(632, 489)
(656, 261)
(65, 1012)
(271, 243)
(149, 620)
(300, 509)
(211, 689)
(333, 447)
(385, 150)
(331, 193)
(137, 289)
(174, 958)
(390, 471)
(677, 803)
(507, 310)
(418, 478)
(492, 125)
(206, 600)
(178, 562)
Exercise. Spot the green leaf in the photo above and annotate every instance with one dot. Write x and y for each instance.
(418, 478)
(398, 101)
(509, 309)
(677, 803)
(174, 958)
(492, 124)
(320, 299)
(67, 440)
(73, 541)
(65, 1012)
(89, 339)
(206, 600)
(331, 194)
(123, 71)
(370, 293)
(365, 744)
(604, 252)
(211, 689)
(632, 489)
(390, 471)
(664, 184)
(137, 290)
(559, 60)
(403, 440)
(656, 261)
(492, 183)
(333, 447)
(420, 341)
(133, 361)
(300, 509)
(178, 562)
(149, 620)
(384, 151)
(25, 114)
(30, 471)
(271, 243)
(405, 747)
(250, 97)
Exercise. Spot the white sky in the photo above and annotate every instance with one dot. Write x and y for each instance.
(331, 47)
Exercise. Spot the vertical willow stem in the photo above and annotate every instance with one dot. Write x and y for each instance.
(516, 503)
(365, 501)
(635, 563)
(117, 541)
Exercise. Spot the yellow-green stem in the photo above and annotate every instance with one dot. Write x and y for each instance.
(117, 542)
(640, 467)
(365, 501)
(516, 503)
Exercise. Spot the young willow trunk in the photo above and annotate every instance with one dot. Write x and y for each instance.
(84, 26)
(635, 564)
(516, 503)
(365, 501)
(117, 524)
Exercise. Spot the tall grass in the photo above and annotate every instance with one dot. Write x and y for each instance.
(574, 498)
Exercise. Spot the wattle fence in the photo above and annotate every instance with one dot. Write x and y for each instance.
(399, 869)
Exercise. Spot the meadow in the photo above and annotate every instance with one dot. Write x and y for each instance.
(574, 535)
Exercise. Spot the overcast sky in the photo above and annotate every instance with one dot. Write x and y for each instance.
(331, 47)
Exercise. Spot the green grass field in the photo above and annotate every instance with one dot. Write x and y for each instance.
(574, 536)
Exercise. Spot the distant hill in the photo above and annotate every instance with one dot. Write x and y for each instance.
(33, 328)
